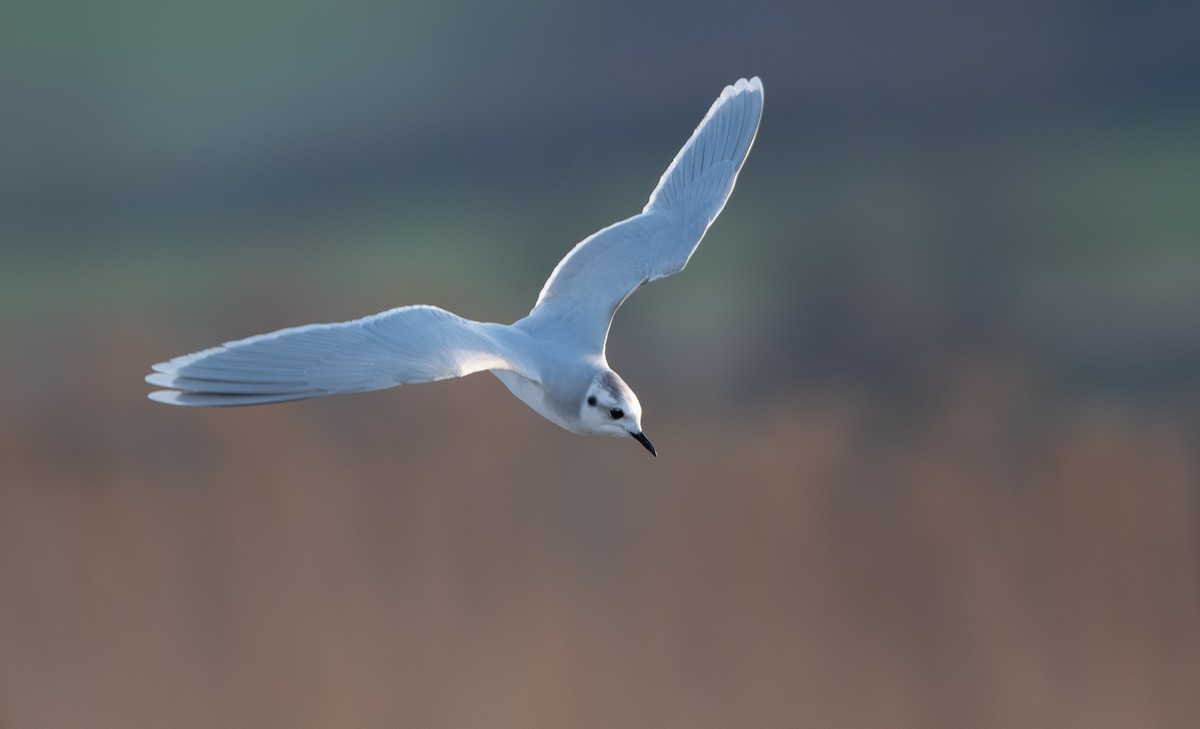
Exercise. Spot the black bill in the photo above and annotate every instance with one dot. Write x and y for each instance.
(641, 438)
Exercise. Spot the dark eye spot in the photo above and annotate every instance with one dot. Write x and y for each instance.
(592, 400)
(616, 413)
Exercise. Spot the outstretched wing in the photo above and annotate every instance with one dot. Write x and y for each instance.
(588, 285)
(406, 345)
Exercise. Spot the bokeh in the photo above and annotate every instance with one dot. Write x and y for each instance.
(926, 399)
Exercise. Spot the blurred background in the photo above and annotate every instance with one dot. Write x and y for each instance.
(927, 399)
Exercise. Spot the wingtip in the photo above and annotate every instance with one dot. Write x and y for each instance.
(159, 378)
(742, 85)
(753, 85)
(166, 397)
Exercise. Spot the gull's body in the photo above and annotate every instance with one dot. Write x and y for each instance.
(552, 360)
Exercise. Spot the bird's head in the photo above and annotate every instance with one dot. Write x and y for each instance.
(609, 407)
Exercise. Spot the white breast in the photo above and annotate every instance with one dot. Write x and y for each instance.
(532, 394)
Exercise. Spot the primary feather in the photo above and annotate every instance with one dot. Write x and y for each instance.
(406, 345)
(590, 283)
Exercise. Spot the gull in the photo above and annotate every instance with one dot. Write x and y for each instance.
(553, 360)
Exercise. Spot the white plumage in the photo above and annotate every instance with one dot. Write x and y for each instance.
(553, 359)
